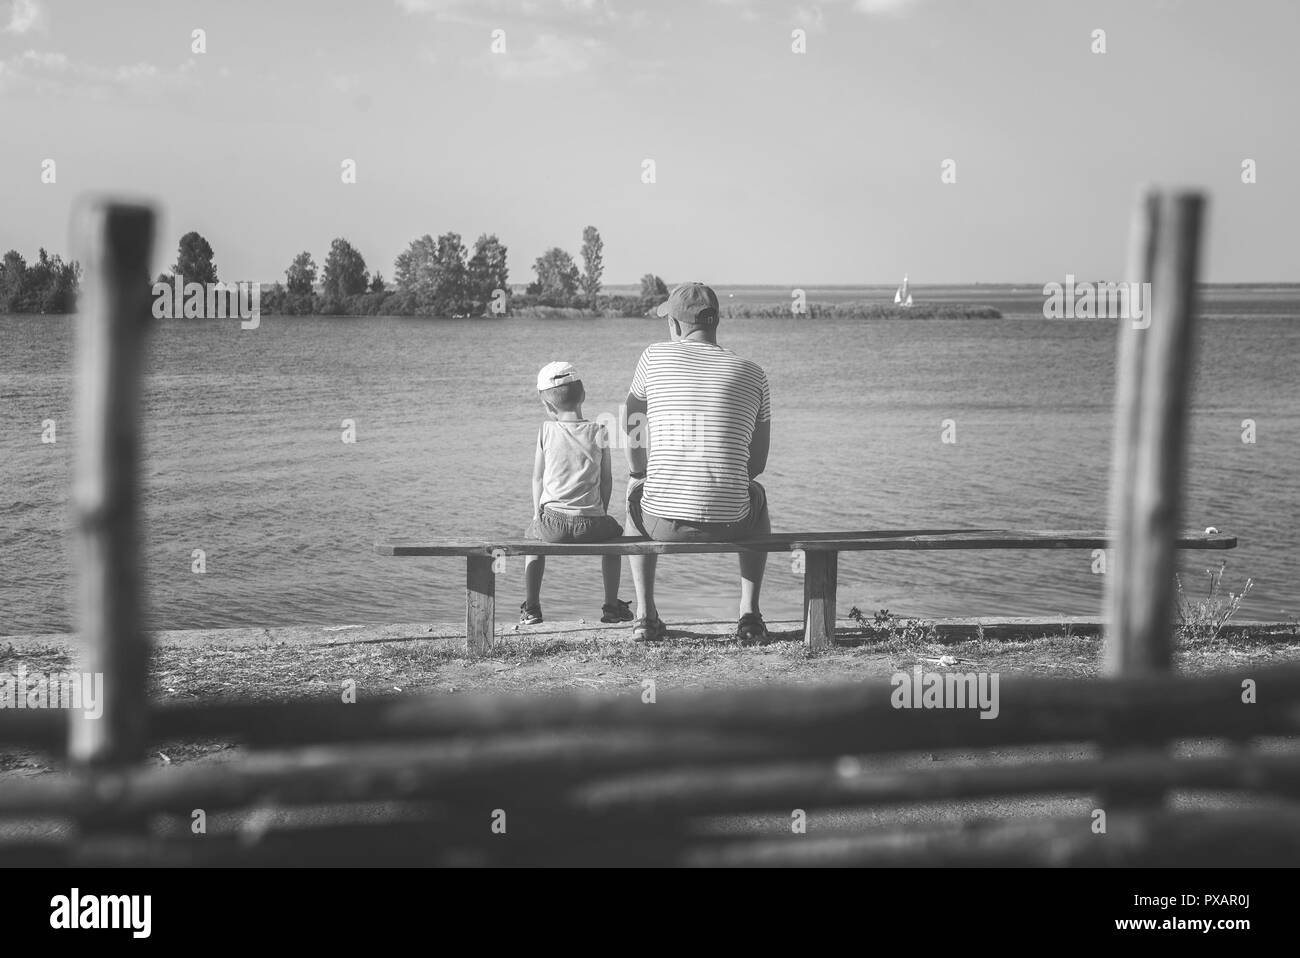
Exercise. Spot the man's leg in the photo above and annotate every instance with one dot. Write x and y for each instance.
(754, 564)
(643, 567)
(643, 579)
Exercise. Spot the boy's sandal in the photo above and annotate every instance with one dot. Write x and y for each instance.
(750, 628)
(649, 630)
(620, 611)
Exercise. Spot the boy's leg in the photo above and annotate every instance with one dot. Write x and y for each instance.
(611, 569)
(534, 566)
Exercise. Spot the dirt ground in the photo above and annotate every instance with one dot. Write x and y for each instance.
(412, 659)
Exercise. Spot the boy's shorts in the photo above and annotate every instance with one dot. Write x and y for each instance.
(662, 529)
(560, 527)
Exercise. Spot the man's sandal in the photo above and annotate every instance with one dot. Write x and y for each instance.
(649, 629)
(750, 628)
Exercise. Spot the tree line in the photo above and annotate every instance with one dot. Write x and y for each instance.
(431, 277)
(48, 285)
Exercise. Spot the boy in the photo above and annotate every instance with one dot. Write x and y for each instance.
(572, 483)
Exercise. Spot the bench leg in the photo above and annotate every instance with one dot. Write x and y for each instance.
(820, 579)
(480, 603)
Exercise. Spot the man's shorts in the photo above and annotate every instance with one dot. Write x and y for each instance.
(561, 527)
(680, 530)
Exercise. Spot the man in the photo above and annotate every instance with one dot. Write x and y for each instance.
(707, 419)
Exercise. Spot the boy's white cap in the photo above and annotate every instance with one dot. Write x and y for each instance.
(556, 374)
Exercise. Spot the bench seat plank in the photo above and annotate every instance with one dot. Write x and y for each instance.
(882, 540)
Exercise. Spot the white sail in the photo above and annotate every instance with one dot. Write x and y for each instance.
(901, 295)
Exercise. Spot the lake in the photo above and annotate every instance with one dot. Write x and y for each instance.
(245, 458)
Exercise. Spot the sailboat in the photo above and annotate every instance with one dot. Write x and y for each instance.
(901, 295)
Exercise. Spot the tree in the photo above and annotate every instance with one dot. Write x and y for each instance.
(593, 263)
(413, 270)
(61, 292)
(487, 271)
(51, 285)
(450, 292)
(435, 274)
(652, 287)
(345, 271)
(13, 283)
(377, 283)
(557, 277)
(300, 277)
(48, 285)
(38, 278)
(194, 260)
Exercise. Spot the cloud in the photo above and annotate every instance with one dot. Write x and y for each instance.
(884, 7)
(25, 16)
(550, 55)
(136, 71)
(424, 6)
(53, 74)
(544, 38)
(46, 61)
(810, 18)
(811, 13)
(485, 11)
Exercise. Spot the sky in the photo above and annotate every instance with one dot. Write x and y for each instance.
(770, 166)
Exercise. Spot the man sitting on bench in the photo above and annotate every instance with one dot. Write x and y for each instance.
(707, 419)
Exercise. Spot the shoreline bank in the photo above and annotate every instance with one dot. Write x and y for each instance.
(849, 633)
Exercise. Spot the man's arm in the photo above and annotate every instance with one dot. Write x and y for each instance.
(637, 430)
(762, 437)
(539, 473)
(758, 446)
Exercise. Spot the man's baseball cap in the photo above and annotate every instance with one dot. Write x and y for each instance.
(691, 303)
(556, 374)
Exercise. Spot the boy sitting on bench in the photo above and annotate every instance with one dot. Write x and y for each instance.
(572, 484)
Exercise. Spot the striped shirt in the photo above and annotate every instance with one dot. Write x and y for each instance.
(702, 404)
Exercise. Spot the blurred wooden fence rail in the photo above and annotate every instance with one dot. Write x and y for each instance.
(582, 780)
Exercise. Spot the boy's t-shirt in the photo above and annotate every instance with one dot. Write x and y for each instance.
(571, 478)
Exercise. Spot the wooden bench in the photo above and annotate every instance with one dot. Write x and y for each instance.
(820, 549)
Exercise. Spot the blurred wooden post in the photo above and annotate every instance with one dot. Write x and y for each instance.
(1152, 399)
(114, 243)
(1153, 373)
(1128, 382)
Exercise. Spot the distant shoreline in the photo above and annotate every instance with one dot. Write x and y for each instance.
(622, 302)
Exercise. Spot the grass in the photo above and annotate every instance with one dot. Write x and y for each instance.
(1202, 619)
(556, 659)
(884, 625)
(605, 658)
